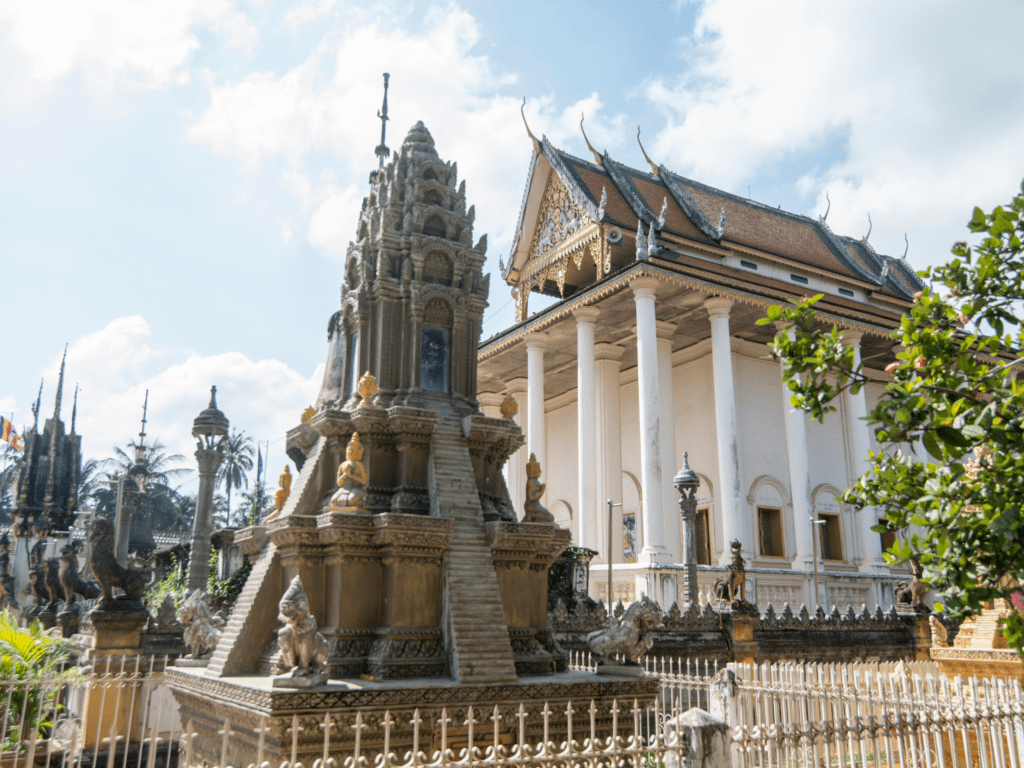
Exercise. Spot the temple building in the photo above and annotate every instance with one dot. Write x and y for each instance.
(652, 350)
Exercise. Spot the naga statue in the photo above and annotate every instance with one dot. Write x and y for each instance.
(7, 597)
(352, 478)
(202, 626)
(303, 648)
(534, 511)
(631, 638)
(110, 573)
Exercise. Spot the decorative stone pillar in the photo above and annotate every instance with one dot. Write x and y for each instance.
(515, 469)
(799, 475)
(860, 443)
(609, 445)
(666, 396)
(536, 435)
(654, 550)
(725, 426)
(210, 428)
(586, 430)
(687, 483)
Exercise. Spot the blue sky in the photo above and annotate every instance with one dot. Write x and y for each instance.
(181, 176)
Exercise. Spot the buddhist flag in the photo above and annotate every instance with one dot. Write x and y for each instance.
(7, 433)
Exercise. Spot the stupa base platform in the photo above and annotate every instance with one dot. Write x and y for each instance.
(1003, 664)
(251, 705)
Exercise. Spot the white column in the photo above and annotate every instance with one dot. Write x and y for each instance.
(860, 443)
(650, 421)
(515, 469)
(536, 435)
(799, 477)
(725, 428)
(586, 431)
(609, 446)
(666, 393)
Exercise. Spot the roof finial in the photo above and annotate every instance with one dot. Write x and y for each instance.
(74, 410)
(536, 144)
(594, 152)
(870, 225)
(382, 150)
(37, 406)
(641, 241)
(654, 168)
(60, 386)
(907, 249)
(145, 407)
(829, 208)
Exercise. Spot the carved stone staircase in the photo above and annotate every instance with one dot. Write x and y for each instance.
(260, 595)
(477, 632)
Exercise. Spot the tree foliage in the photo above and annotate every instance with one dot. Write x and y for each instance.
(954, 397)
(238, 455)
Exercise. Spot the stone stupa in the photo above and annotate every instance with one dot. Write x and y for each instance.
(428, 590)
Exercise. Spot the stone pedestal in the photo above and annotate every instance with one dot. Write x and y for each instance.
(740, 620)
(249, 704)
(112, 703)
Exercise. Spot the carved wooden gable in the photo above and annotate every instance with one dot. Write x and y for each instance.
(559, 220)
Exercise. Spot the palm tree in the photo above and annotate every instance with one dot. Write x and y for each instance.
(89, 481)
(161, 467)
(237, 462)
(256, 503)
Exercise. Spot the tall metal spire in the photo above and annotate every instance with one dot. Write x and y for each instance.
(382, 150)
(38, 404)
(74, 410)
(142, 434)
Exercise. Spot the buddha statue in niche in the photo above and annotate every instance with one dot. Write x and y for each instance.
(352, 478)
(534, 511)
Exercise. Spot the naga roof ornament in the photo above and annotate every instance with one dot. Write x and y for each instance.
(536, 143)
(594, 152)
(654, 168)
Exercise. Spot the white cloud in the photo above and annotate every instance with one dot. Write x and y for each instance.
(927, 133)
(261, 397)
(144, 42)
(326, 106)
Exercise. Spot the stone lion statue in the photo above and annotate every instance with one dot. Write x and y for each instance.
(633, 636)
(303, 649)
(110, 573)
(202, 625)
(734, 585)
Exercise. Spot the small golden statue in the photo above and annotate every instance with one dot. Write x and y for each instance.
(534, 510)
(367, 388)
(307, 415)
(352, 478)
(509, 407)
(284, 489)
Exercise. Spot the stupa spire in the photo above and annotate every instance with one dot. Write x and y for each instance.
(36, 407)
(60, 387)
(382, 152)
(74, 410)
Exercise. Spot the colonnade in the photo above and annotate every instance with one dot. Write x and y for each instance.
(599, 459)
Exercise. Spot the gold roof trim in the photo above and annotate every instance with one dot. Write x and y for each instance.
(587, 233)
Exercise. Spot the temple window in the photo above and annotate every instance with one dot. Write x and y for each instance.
(769, 525)
(702, 530)
(429, 175)
(437, 268)
(434, 359)
(432, 197)
(831, 538)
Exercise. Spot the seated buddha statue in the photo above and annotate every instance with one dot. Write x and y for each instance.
(534, 511)
(352, 478)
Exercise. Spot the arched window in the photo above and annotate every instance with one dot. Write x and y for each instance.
(435, 226)
(429, 175)
(433, 197)
(435, 346)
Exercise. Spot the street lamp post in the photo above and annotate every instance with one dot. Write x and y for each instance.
(687, 483)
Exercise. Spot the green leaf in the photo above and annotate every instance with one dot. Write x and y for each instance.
(953, 437)
(973, 432)
(774, 313)
(931, 444)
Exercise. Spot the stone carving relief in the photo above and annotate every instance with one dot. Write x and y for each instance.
(303, 648)
(560, 218)
(202, 626)
(631, 637)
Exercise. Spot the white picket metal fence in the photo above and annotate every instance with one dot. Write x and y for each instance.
(119, 714)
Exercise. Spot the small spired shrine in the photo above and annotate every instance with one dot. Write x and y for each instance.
(395, 574)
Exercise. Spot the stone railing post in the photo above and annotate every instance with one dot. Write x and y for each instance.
(704, 740)
(723, 697)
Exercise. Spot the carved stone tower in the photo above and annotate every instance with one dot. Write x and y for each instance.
(413, 295)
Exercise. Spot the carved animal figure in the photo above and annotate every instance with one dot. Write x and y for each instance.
(303, 649)
(203, 626)
(53, 585)
(71, 580)
(632, 637)
(913, 593)
(108, 572)
(735, 582)
(37, 577)
(7, 597)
